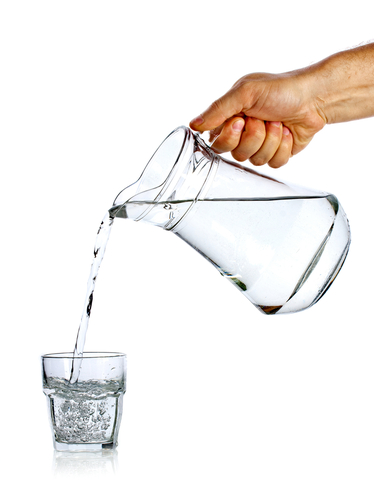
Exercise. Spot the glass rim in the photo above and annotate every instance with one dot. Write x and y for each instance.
(185, 145)
(86, 355)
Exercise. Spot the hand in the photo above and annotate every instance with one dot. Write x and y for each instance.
(265, 118)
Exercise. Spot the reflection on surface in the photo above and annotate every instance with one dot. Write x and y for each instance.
(104, 462)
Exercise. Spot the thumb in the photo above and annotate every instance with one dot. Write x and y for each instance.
(217, 113)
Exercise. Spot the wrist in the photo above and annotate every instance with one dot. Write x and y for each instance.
(341, 87)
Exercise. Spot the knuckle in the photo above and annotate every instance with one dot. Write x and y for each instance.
(256, 130)
(217, 108)
(257, 161)
(278, 162)
(274, 135)
(217, 104)
(222, 145)
(259, 135)
(275, 164)
(238, 156)
(229, 138)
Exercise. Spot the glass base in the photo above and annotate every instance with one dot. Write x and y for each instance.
(77, 447)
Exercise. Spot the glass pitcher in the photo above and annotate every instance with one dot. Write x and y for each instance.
(281, 245)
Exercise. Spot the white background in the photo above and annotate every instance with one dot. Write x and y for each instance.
(222, 402)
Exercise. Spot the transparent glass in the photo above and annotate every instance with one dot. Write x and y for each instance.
(281, 245)
(85, 415)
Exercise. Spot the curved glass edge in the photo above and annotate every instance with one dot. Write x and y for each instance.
(86, 355)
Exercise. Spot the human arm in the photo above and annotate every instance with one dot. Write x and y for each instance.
(267, 118)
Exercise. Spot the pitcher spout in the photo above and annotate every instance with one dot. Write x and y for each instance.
(170, 184)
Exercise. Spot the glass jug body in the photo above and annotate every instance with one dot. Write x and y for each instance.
(281, 245)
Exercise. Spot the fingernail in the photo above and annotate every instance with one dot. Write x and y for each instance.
(276, 124)
(286, 131)
(238, 125)
(197, 121)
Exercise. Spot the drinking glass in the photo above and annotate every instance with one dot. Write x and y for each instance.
(85, 415)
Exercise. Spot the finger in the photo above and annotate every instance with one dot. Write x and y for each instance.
(253, 136)
(284, 152)
(213, 134)
(270, 144)
(218, 112)
(229, 137)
